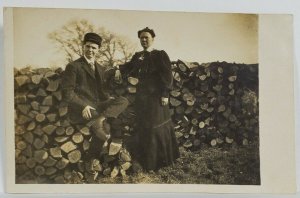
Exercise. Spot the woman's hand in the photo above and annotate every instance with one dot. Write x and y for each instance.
(86, 112)
(164, 101)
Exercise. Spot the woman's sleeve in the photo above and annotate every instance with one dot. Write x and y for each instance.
(128, 68)
(166, 74)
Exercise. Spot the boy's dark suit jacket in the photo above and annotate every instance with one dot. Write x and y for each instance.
(82, 86)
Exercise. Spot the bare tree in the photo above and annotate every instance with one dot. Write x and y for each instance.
(115, 49)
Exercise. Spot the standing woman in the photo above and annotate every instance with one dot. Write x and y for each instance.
(157, 144)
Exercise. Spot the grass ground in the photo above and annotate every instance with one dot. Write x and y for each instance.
(231, 165)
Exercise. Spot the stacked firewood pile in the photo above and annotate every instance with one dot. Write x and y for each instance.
(211, 104)
(47, 146)
(215, 103)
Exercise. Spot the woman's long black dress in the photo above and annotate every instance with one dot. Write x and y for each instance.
(156, 138)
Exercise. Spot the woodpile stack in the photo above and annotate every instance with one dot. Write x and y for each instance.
(47, 146)
(212, 104)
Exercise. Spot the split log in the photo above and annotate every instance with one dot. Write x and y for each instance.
(21, 99)
(63, 111)
(38, 131)
(55, 152)
(53, 85)
(28, 151)
(213, 142)
(85, 145)
(50, 171)
(126, 166)
(49, 129)
(62, 163)
(40, 156)
(77, 138)
(28, 137)
(44, 109)
(50, 162)
(68, 147)
(74, 156)
(70, 130)
(114, 147)
(21, 159)
(36, 79)
(23, 108)
(60, 130)
(41, 92)
(133, 81)
(31, 126)
(21, 120)
(48, 101)
(38, 143)
(131, 90)
(30, 163)
(45, 138)
(40, 117)
(85, 131)
(57, 95)
(51, 117)
(39, 170)
(21, 145)
(114, 172)
(61, 139)
(22, 80)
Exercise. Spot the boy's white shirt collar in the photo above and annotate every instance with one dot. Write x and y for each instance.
(89, 60)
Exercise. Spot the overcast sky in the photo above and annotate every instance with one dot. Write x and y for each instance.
(199, 37)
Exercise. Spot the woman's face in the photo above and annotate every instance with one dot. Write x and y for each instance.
(146, 40)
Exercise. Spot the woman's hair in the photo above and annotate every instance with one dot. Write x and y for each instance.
(146, 30)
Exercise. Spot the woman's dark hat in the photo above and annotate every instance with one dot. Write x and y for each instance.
(146, 30)
(92, 37)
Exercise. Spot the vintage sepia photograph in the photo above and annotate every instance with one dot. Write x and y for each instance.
(135, 97)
